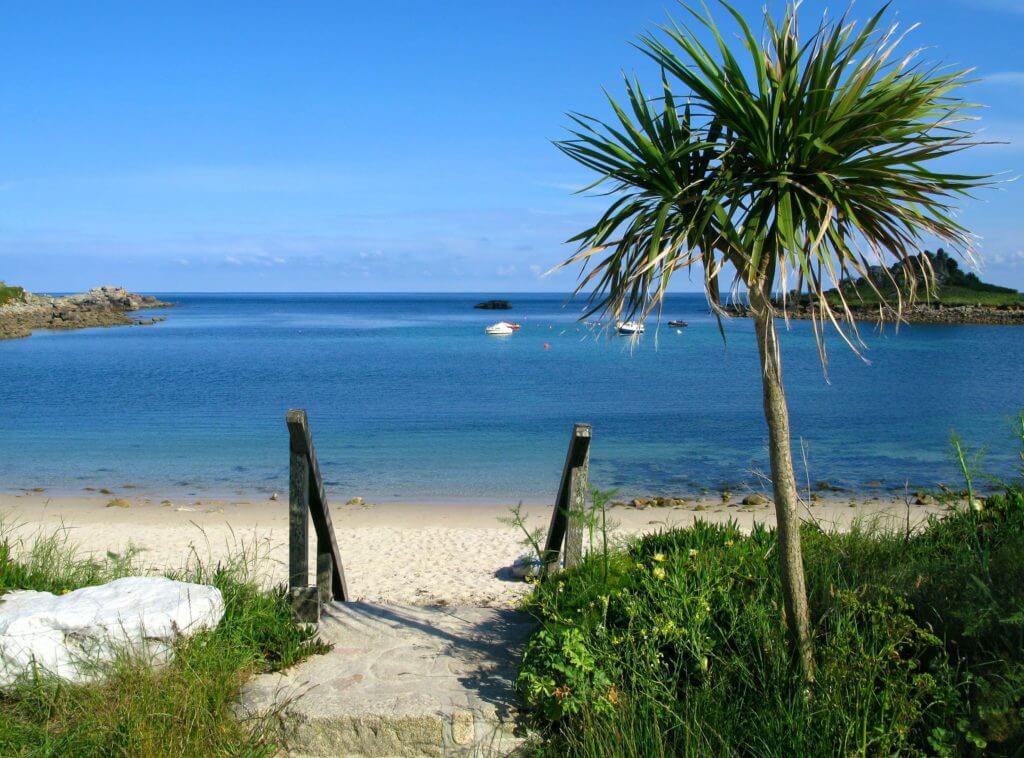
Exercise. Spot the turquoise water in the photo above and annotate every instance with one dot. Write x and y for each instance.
(409, 399)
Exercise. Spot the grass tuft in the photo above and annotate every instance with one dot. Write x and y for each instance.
(183, 708)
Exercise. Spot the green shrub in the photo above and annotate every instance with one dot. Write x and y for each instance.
(679, 648)
(10, 294)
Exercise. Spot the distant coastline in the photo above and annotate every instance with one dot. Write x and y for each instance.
(956, 296)
(23, 312)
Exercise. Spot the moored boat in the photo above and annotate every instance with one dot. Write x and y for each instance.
(500, 329)
(631, 327)
(677, 323)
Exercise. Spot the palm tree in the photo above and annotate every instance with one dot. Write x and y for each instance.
(792, 175)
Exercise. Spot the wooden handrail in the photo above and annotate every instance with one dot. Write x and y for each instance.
(308, 498)
(565, 531)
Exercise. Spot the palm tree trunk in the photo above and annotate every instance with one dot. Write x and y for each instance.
(776, 413)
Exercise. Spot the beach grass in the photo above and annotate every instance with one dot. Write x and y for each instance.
(676, 643)
(182, 708)
(9, 293)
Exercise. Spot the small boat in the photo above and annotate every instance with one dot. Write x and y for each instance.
(510, 324)
(500, 329)
(631, 327)
(677, 323)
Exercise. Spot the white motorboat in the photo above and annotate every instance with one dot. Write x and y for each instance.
(500, 329)
(631, 327)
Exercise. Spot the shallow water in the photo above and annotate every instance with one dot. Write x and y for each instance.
(409, 399)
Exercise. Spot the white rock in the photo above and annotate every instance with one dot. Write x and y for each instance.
(66, 635)
(524, 566)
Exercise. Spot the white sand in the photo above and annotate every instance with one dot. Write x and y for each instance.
(393, 552)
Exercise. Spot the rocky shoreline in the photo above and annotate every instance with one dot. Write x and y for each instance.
(100, 306)
(915, 314)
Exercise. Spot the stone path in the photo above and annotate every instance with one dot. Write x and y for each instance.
(400, 681)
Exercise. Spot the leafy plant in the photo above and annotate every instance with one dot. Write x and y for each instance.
(678, 646)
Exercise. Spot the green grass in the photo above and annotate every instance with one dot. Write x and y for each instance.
(10, 293)
(949, 295)
(184, 708)
(675, 645)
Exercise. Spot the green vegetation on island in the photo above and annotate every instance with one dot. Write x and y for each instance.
(950, 285)
(11, 294)
(675, 644)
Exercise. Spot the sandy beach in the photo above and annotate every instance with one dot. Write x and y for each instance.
(394, 552)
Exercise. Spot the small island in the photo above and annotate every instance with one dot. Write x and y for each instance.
(957, 296)
(22, 312)
(494, 305)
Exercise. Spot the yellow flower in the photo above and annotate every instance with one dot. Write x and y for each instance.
(693, 552)
(659, 572)
(659, 557)
(728, 543)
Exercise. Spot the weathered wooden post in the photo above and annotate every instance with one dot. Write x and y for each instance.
(308, 498)
(566, 526)
(577, 513)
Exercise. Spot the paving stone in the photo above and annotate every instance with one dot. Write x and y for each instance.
(400, 681)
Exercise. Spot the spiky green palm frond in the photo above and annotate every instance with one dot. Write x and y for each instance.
(658, 166)
(815, 160)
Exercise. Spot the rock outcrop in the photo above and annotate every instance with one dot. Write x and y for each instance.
(68, 635)
(494, 305)
(100, 306)
(919, 313)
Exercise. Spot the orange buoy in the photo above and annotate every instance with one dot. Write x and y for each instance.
(547, 346)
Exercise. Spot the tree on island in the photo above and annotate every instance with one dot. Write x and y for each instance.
(797, 172)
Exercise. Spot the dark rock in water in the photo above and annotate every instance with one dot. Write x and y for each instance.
(494, 305)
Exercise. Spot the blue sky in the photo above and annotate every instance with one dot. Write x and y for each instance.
(362, 146)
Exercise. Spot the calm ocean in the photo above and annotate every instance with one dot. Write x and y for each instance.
(409, 399)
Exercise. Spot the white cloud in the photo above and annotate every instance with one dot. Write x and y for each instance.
(1015, 258)
(506, 270)
(1007, 78)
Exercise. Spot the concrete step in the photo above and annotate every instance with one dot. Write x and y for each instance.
(400, 681)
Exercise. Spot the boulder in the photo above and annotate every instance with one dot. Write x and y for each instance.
(754, 499)
(525, 566)
(66, 635)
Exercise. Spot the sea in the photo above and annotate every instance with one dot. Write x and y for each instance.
(409, 400)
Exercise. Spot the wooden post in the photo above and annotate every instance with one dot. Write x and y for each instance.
(298, 520)
(324, 572)
(577, 513)
(306, 604)
(326, 545)
(574, 480)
